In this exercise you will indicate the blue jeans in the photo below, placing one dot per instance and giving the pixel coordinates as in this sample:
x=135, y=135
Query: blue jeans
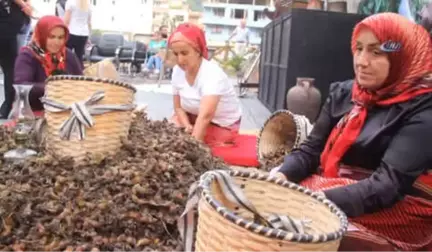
x=23, y=36
x=154, y=62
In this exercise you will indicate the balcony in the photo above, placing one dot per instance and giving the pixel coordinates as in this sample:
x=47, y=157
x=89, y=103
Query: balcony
x=231, y=16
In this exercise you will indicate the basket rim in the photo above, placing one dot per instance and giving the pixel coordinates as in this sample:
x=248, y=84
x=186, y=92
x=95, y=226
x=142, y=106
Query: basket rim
x=271, y=117
x=90, y=78
x=270, y=232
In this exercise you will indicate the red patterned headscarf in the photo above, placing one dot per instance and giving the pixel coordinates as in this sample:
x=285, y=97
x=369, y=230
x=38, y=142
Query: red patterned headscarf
x=50, y=62
x=192, y=35
x=410, y=64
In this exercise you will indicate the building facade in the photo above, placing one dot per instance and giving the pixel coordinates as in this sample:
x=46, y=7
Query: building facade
x=172, y=13
x=129, y=16
x=221, y=17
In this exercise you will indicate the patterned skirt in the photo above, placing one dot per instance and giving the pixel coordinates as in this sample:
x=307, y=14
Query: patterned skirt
x=405, y=226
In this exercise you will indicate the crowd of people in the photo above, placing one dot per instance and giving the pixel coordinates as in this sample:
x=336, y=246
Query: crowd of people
x=369, y=151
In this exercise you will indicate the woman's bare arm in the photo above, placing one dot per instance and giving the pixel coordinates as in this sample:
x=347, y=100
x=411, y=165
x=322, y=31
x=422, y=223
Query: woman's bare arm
x=181, y=114
x=90, y=22
x=67, y=17
x=206, y=113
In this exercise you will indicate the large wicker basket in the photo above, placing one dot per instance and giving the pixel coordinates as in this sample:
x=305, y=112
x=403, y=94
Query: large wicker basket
x=282, y=129
x=105, y=136
x=223, y=226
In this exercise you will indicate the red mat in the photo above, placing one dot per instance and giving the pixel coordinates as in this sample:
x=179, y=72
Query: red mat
x=243, y=153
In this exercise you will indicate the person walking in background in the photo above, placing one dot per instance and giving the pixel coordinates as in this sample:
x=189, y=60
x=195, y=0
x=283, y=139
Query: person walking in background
x=22, y=37
x=60, y=8
x=241, y=34
x=12, y=15
x=78, y=19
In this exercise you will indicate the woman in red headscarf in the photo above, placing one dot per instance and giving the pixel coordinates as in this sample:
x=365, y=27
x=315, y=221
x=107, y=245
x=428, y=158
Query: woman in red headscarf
x=46, y=55
x=205, y=101
x=373, y=141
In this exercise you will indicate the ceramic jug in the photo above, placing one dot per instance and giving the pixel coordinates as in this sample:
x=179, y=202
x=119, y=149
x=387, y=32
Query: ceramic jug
x=304, y=99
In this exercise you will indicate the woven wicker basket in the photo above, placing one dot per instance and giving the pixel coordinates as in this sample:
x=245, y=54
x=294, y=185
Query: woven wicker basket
x=223, y=226
x=282, y=128
x=105, y=136
x=102, y=69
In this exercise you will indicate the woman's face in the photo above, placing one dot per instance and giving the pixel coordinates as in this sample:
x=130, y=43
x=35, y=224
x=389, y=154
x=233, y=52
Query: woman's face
x=371, y=65
x=56, y=40
x=188, y=58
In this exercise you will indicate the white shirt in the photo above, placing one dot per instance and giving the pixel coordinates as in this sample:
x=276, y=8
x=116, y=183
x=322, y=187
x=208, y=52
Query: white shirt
x=210, y=80
x=241, y=34
x=78, y=25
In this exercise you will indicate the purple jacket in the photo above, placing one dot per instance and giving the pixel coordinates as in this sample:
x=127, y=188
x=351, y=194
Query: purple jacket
x=29, y=70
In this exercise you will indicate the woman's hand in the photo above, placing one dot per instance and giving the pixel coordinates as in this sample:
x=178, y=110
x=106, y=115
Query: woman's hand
x=280, y=175
x=188, y=128
x=28, y=10
x=207, y=110
x=274, y=170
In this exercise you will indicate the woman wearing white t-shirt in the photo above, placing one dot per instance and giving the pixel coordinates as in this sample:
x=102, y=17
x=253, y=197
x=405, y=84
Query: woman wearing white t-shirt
x=205, y=101
x=78, y=18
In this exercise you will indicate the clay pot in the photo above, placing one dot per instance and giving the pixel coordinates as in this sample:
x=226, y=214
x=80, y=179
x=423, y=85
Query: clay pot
x=304, y=99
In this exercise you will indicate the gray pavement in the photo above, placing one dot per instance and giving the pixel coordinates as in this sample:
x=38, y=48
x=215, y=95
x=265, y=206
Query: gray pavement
x=159, y=103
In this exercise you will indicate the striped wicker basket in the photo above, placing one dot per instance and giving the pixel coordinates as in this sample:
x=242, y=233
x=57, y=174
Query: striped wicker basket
x=102, y=69
x=224, y=226
x=105, y=135
x=282, y=128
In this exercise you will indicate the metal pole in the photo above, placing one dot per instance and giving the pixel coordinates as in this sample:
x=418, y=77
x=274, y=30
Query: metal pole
x=326, y=5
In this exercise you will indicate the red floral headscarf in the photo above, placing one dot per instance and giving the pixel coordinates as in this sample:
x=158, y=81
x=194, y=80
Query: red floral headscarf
x=50, y=62
x=192, y=35
x=410, y=54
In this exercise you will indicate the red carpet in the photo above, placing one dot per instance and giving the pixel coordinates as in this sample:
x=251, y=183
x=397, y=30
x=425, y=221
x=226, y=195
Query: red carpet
x=243, y=153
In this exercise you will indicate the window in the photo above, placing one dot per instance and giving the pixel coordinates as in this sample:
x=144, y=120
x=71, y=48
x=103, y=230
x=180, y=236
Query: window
x=218, y=12
x=178, y=18
x=259, y=15
x=216, y=29
x=238, y=13
x=263, y=2
x=248, y=2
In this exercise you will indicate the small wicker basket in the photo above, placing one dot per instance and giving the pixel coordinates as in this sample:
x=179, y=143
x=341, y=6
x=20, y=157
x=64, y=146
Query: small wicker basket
x=103, y=69
x=282, y=128
x=105, y=136
x=223, y=226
